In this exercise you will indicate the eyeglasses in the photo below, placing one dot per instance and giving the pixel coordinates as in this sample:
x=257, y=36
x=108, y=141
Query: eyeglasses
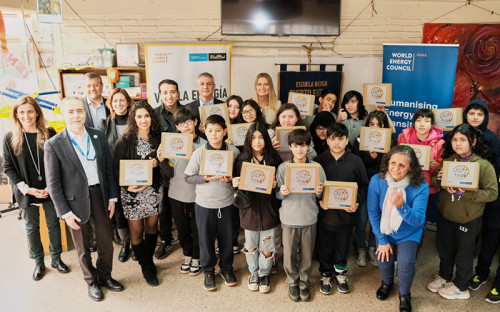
x=187, y=123
x=248, y=112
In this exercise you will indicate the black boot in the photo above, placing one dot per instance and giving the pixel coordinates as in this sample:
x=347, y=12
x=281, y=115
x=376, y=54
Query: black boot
x=147, y=265
x=124, y=251
x=405, y=303
x=151, y=240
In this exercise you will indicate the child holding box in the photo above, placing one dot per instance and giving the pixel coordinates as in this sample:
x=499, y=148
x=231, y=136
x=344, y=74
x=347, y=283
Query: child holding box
x=298, y=215
x=335, y=225
x=182, y=196
x=459, y=221
x=214, y=207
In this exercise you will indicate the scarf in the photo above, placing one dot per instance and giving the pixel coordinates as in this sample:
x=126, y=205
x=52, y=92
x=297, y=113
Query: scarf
x=391, y=219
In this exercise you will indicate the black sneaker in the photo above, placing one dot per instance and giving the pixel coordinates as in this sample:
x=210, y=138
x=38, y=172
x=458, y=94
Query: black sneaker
x=229, y=278
x=210, y=282
x=341, y=280
x=304, y=294
x=326, y=285
x=293, y=293
x=493, y=296
x=162, y=250
x=264, y=285
x=476, y=282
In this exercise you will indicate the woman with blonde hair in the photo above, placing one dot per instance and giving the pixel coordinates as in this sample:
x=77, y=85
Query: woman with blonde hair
x=265, y=95
x=23, y=163
x=119, y=104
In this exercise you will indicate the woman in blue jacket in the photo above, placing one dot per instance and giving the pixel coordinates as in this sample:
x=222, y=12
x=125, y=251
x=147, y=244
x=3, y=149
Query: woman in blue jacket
x=397, y=201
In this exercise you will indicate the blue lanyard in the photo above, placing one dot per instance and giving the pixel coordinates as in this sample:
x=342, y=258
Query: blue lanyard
x=80, y=150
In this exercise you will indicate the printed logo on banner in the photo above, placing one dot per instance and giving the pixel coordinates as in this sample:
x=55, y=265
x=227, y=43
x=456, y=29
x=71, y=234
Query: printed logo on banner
x=217, y=56
x=198, y=57
x=177, y=144
x=446, y=116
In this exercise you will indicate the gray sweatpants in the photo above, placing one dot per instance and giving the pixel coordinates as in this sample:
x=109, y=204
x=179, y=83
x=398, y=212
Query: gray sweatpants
x=301, y=240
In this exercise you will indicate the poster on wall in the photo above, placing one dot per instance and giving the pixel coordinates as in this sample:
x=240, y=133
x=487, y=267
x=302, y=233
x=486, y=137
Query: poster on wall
x=422, y=76
x=478, y=66
x=183, y=63
x=49, y=11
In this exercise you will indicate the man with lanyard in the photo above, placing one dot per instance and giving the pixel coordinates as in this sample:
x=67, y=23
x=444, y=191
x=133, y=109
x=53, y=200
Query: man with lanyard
x=96, y=110
x=81, y=183
x=205, y=85
x=169, y=95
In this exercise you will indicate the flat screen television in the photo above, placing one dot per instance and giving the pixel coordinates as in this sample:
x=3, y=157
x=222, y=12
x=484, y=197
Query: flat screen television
x=280, y=17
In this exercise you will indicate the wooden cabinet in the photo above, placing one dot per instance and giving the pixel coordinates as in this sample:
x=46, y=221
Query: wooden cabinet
x=71, y=79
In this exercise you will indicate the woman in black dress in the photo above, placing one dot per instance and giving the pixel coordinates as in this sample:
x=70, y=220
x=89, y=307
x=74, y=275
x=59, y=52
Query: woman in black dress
x=23, y=163
x=119, y=103
x=142, y=204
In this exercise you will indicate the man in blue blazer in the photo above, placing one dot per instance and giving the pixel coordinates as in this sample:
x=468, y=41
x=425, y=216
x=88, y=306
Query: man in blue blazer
x=206, y=87
x=81, y=183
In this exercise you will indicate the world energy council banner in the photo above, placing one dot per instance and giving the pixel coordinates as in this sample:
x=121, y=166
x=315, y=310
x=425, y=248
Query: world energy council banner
x=422, y=76
x=183, y=63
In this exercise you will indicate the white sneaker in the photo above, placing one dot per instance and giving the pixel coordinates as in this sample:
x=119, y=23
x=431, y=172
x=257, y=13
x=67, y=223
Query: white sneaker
x=437, y=284
x=372, y=256
x=452, y=292
x=186, y=265
x=195, y=267
x=361, y=260
x=253, y=282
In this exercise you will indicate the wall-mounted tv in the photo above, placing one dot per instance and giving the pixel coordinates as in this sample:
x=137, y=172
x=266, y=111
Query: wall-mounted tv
x=280, y=17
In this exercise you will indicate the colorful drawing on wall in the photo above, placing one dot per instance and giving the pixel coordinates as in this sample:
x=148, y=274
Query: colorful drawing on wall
x=49, y=11
x=478, y=65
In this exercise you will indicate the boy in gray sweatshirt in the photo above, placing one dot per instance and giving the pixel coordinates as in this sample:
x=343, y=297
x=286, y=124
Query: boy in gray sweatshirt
x=298, y=215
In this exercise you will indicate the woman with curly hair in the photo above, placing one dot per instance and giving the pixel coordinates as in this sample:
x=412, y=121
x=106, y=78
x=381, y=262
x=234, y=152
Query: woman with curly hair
x=397, y=200
x=141, y=204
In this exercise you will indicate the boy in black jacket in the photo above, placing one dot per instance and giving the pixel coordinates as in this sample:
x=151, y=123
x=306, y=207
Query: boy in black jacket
x=335, y=226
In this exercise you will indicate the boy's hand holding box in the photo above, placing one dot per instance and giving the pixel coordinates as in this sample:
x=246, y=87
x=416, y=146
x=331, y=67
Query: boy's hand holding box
x=340, y=195
x=302, y=177
x=217, y=162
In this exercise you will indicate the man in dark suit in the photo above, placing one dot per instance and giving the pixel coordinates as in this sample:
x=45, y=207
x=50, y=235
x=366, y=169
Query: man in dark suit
x=96, y=108
x=206, y=86
x=81, y=183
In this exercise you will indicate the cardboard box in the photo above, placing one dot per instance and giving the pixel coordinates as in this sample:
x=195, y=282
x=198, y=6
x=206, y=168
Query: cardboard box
x=238, y=132
x=136, y=172
x=423, y=153
x=216, y=109
x=461, y=174
x=257, y=178
x=217, y=162
x=282, y=135
x=340, y=195
x=378, y=94
x=303, y=177
x=375, y=139
x=177, y=145
x=304, y=102
x=448, y=118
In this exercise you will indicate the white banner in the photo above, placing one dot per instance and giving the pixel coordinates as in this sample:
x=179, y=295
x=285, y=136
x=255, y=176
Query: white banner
x=183, y=63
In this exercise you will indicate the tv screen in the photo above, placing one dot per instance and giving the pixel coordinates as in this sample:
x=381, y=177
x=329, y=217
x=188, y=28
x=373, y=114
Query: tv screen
x=280, y=17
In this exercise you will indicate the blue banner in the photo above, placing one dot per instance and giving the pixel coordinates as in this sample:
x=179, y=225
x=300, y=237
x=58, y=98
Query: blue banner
x=422, y=76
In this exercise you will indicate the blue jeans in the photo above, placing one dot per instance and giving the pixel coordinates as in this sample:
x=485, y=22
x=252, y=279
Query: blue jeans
x=360, y=230
x=261, y=241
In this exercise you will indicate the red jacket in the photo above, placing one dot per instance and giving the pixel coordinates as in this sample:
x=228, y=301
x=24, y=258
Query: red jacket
x=435, y=141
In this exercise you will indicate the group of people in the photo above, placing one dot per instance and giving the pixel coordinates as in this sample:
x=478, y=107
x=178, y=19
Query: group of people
x=74, y=174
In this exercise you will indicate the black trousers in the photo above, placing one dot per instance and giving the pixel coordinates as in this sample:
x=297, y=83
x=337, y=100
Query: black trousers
x=332, y=247
x=185, y=221
x=103, y=236
x=455, y=243
x=215, y=224
x=491, y=243
x=165, y=218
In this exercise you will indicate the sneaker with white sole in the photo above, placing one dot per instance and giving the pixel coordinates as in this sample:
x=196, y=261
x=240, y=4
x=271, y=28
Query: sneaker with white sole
x=341, y=280
x=437, y=284
x=493, y=296
x=361, y=260
x=476, y=282
x=372, y=256
x=195, y=268
x=229, y=278
x=186, y=265
x=253, y=282
x=452, y=292
x=264, y=284
x=326, y=285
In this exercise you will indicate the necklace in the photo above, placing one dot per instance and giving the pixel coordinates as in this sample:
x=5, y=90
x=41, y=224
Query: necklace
x=37, y=167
